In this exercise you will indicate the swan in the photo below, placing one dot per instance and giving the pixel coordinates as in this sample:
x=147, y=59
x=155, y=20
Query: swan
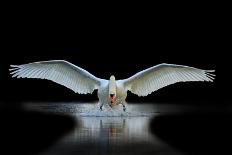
x=110, y=92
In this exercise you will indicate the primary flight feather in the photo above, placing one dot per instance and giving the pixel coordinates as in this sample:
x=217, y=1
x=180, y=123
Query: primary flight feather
x=110, y=92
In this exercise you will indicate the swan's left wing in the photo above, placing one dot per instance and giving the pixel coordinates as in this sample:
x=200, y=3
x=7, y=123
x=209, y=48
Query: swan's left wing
x=61, y=72
x=154, y=78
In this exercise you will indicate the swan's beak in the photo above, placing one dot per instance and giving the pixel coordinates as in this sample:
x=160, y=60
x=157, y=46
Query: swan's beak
x=112, y=99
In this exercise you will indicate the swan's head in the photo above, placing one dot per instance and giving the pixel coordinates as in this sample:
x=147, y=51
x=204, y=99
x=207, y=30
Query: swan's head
x=112, y=90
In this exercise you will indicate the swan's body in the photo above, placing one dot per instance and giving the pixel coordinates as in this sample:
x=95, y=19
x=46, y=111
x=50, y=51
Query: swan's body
x=110, y=92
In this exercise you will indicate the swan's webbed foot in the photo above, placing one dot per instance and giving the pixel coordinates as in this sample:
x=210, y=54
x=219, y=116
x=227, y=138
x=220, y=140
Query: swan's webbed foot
x=124, y=108
x=101, y=107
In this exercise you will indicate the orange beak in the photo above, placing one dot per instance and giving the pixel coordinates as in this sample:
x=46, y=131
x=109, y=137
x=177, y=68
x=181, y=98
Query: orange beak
x=112, y=99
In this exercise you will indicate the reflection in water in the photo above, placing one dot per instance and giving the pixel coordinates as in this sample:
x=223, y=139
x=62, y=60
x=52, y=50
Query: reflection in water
x=102, y=135
x=106, y=135
x=114, y=129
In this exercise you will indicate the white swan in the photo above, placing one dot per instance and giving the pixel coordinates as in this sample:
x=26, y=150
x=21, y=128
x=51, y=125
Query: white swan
x=110, y=92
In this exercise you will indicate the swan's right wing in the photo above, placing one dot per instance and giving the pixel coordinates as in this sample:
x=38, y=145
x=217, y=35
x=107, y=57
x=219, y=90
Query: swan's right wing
x=159, y=76
x=61, y=72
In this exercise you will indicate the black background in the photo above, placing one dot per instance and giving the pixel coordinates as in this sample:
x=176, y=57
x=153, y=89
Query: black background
x=118, y=43
x=119, y=40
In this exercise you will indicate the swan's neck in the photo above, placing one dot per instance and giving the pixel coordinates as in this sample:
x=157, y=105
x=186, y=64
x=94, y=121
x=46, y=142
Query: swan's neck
x=112, y=90
x=112, y=85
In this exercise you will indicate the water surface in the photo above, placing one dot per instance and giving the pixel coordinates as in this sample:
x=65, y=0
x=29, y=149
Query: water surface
x=107, y=131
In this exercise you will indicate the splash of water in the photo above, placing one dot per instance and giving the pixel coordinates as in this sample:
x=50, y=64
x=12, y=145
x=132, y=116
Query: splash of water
x=93, y=109
x=107, y=111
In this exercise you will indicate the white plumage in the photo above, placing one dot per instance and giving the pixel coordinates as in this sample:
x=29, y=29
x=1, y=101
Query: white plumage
x=59, y=71
x=159, y=76
x=81, y=81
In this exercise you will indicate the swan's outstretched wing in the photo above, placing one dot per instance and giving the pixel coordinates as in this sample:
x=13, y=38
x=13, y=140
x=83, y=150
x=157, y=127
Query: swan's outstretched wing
x=59, y=71
x=154, y=78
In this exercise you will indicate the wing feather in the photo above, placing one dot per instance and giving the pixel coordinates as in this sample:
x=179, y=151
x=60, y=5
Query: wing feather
x=61, y=72
x=159, y=76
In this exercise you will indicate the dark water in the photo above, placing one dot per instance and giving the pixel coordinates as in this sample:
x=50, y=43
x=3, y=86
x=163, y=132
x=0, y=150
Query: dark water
x=80, y=128
x=104, y=132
